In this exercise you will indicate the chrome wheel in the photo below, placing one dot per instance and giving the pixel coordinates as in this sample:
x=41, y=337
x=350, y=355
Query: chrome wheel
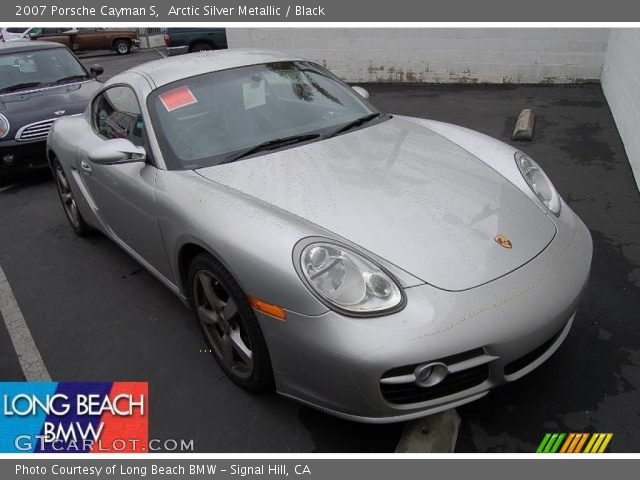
x=67, y=198
x=223, y=326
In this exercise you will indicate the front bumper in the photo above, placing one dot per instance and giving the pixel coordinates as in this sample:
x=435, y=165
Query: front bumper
x=487, y=336
x=21, y=157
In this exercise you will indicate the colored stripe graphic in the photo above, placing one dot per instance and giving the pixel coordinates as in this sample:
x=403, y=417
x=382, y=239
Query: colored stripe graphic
x=581, y=442
x=574, y=443
x=551, y=442
x=543, y=443
x=568, y=442
x=606, y=441
x=556, y=445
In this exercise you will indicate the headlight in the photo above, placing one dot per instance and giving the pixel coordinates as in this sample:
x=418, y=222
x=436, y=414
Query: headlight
x=4, y=126
x=538, y=182
x=349, y=281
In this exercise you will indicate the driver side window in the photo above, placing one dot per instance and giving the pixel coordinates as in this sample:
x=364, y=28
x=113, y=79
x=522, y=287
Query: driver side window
x=116, y=114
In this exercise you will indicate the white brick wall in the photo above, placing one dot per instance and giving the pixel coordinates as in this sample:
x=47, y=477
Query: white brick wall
x=442, y=55
x=621, y=86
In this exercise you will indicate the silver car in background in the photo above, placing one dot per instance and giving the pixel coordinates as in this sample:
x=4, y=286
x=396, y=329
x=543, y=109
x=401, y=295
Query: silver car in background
x=374, y=266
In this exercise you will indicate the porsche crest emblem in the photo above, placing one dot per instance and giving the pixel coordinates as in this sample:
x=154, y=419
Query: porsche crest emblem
x=503, y=241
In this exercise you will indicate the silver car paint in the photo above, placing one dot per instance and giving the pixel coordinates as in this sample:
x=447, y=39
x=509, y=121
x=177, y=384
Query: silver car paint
x=336, y=363
x=320, y=357
x=398, y=176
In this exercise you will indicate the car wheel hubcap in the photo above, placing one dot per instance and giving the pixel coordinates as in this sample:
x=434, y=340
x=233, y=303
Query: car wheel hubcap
x=122, y=48
x=218, y=313
x=66, y=195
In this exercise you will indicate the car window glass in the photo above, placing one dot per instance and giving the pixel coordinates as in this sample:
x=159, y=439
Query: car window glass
x=40, y=66
x=202, y=120
x=116, y=114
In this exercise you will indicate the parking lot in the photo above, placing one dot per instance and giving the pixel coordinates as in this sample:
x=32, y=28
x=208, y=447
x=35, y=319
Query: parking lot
x=96, y=315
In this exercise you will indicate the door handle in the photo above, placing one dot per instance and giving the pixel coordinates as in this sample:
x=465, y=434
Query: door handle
x=85, y=167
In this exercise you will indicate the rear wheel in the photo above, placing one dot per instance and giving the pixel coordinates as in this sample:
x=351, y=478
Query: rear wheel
x=80, y=227
x=122, y=47
x=229, y=324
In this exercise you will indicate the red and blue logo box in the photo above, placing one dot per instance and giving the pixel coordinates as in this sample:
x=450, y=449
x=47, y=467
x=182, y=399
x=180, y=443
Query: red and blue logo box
x=74, y=417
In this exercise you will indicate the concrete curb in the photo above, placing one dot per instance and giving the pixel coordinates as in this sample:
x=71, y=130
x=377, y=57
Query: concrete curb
x=524, y=125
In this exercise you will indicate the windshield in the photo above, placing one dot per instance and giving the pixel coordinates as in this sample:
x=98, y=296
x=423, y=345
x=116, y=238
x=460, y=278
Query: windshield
x=205, y=120
x=38, y=68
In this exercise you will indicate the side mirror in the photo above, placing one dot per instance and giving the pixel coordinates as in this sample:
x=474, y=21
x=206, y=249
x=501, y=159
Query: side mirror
x=361, y=91
x=96, y=70
x=117, y=150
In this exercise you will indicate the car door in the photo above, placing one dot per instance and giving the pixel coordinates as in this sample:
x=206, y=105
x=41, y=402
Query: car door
x=123, y=193
x=91, y=39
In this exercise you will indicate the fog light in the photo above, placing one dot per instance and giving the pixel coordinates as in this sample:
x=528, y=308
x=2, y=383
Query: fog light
x=430, y=374
x=8, y=159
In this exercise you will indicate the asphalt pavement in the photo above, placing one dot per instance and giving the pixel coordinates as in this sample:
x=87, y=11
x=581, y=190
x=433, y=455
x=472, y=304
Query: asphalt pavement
x=94, y=314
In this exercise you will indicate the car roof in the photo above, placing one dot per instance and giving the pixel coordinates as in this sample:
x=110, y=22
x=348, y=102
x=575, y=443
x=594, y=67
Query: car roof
x=27, y=46
x=168, y=70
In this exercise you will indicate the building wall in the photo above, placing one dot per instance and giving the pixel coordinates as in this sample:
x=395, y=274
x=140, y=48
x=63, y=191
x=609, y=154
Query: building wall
x=442, y=55
x=151, y=37
x=621, y=86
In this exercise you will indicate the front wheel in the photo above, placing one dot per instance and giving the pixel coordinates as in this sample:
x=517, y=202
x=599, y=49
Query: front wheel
x=122, y=47
x=229, y=324
x=77, y=222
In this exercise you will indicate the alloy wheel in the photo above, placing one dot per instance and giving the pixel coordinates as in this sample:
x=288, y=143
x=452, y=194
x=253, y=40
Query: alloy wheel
x=67, y=198
x=222, y=323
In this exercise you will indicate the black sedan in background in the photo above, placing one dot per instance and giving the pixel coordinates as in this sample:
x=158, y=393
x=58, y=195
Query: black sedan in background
x=39, y=82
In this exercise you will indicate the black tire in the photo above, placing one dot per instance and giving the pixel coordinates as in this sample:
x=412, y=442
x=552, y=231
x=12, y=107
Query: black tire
x=201, y=47
x=244, y=322
x=122, y=46
x=74, y=217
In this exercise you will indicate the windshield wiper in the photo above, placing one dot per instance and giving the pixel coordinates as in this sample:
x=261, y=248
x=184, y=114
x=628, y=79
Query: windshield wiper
x=269, y=145
x=71, y=78
x=19, y=86
x=356, y=123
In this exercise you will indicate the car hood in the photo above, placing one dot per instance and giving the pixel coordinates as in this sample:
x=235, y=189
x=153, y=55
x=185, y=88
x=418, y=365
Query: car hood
x=406, y=194
x=34, y=106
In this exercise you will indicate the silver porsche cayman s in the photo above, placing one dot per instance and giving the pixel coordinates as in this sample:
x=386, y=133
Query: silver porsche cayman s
x=375, y=266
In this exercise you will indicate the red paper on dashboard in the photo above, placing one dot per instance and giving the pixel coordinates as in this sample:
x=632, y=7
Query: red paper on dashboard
x=177, y=98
